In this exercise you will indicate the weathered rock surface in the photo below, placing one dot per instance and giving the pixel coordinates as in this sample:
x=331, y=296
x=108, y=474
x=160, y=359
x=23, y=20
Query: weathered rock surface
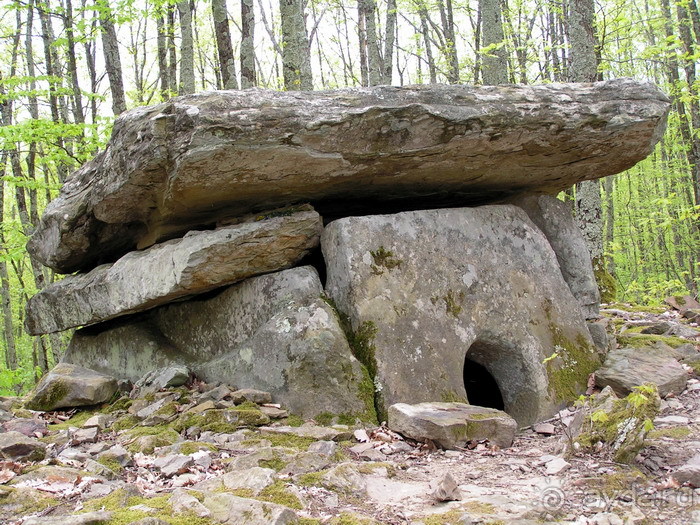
x=272, y=333
x=625, y=368
x=555, y=220
x=70, y=385
x=232, y=510
x=689, y=472
x=427, y=290
x=197, y=263
x=452, y=425
x=176, y=166
x=17, y=446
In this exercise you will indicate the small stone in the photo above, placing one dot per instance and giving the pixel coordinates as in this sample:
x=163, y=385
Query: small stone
x=72, y=456
x=85, y=435
x=255, y=479
x=202, y=407
x=217, y=393
x=232, y=510
x=451, y=425
x=323, y=448
x=119, y=454
x=447, y=489
x=92, y=466
x=15, y=445
x=183, y=501
x=172, y=465
x=556, y=466
x=100, y=421
x=689, y=473
x=362, y=447
x=274, y=412
x=372, y=454
x=657, y=328
x=305, y=462
x=544, y=428
x=312, y=431
x=171, y=376
x=254, y=396
x=672, y=420
x=26, y=426
x=361, y=435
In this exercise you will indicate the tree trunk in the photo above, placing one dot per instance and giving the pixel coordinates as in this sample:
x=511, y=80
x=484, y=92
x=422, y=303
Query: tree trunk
x=248, y=76
x=162, y=58
x=367, y=11
x=296, y=66
x=450, y=48
x=223, y=44
x=389, y=39
x=78, y=115
x=186, y=86
x=113, y=63
x=493, y=52
x=425, y=32
x=5, y=293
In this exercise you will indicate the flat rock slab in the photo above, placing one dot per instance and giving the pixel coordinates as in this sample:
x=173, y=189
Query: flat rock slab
x=625, y=368
x=232, y=510
x=197, y=263
x=272, y=332
x=452, y=425
x=429, y=292
x=16, y=446
x=173, y=167
x=689, y=472
x=67, y=386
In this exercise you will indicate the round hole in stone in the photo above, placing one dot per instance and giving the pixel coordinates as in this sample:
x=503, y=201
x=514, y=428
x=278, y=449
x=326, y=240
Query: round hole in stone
x=482, y=389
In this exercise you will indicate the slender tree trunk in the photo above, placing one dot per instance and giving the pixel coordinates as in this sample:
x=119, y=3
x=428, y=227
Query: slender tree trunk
x=493, y=51
x=389, y=40
x=163, y=75
x=5, y=292
x=248, y=75
x=450, y=47
x=172, y=49
x=186, y=86
x=113, y=63
x=223, y=44
x=367, y=12
x=425, y=32
x=296, y=66
x=78, y=115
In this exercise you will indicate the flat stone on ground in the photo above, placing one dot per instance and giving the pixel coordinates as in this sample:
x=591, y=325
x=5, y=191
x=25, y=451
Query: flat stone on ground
x=67, y=386
x=16, y=446
x=452, y=425
x=625, y=368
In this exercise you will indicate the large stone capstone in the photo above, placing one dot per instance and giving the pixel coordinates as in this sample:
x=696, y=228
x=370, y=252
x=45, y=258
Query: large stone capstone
x=273, y=332
x=190, y=161
x=429, y=293
x=197, y=263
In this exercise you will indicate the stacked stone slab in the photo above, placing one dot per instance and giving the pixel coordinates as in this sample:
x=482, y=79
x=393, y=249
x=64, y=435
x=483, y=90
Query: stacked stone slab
x=184, y=227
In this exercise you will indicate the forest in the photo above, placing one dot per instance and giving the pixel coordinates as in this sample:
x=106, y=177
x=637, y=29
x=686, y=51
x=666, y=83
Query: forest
x=69, y=67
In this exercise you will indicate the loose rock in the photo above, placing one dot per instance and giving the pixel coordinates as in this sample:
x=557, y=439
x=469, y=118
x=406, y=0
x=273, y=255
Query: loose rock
x=67, y=386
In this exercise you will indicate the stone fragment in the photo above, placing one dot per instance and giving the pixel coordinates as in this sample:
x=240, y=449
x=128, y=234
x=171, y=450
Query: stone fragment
x=556, y=466
x=304, y=462
x=689, y=472
x=682, y=303
x=625, y=368
x=452, y=425
x=671, y=420
x=84, y=435
x=323, y=448
x=187, y=162
x=197, y=263
x=18, y=447
x=255, y=479
x=174, y=464
x=556, y=221
x=309, y=430
x=544, y=428
x=232, y=510
x=659, y=328
x=183, y=501
x=159, y=378
x=692, y=315
x=202, y=407
x=28, y=427
x=250, y=394
x=274, y=412
x=67, y=386
x=118, y=454
x=100, y=421
x=252, y=334
x=345, y=479
x=425, y=300
x=88, y=518
x=218, y=393
x=447, y=489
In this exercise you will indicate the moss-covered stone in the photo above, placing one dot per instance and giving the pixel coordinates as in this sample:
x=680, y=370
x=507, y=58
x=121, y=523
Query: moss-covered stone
x=147, y=439
x=49, y=397
x=384, y=260
x=623, y=427
x=606, y=282
x=224, y=421
x=646, y=340
x=192, y=447
x=569, y=366
x=350, y=518
x=279, y=493
x=670, y=432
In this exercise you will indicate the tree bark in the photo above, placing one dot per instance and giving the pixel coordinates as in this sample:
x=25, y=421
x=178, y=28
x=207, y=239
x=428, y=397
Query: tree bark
x=296, y=64
x=78, y=115
x=450, y=47
x=162, y=58
x=494, y=68
x=113, y=63
x=367, y=11
x=186, y=86
x=248, y=74
x=5, y=292
x=223, y=44
x=389, y=40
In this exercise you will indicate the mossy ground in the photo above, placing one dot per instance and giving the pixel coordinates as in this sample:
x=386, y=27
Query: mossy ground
x=645, y=340
x=670, y=432
x=280, y=494
x=77, y=420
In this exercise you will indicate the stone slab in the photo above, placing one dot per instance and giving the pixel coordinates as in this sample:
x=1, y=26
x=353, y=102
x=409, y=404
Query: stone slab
x=187, y=162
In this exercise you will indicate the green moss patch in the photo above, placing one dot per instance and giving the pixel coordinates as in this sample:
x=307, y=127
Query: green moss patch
x=384, y=260
x=570, y=364
x=670, y=432
x=349, y=518
x=646, y=340
x=280, y=494
x=225, y=421
x=77, y=420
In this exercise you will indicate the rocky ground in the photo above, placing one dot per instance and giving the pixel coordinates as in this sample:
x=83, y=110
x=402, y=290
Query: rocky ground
x=202, y=454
